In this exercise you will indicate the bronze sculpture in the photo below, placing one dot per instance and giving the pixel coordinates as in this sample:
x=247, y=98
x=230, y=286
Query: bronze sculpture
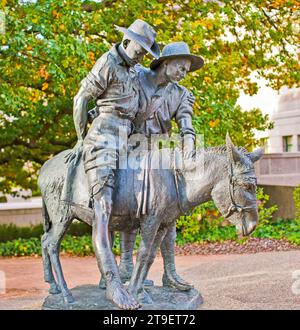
x=96, y=183
x=228, y=178
x=112, y=83
x=162, y=99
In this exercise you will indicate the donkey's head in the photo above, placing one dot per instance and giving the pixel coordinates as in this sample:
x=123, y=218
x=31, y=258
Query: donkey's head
x=235, y=193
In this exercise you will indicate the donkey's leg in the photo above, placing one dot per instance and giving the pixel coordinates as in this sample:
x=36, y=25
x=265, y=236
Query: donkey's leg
x=149, y=227
x=48, y=274
x=127, y=240
x=57, y=233
x=170, y=276
x=102, y=283
x=143, y=296
x=160, y=236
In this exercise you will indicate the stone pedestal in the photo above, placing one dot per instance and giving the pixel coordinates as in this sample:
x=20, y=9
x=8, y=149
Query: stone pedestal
x=90, y=297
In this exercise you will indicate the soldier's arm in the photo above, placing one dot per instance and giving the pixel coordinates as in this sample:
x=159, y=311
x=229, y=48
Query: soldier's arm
x=184, y=114
x=91, y=88
x=80, y=118
x=80, y=103
x=183, y=119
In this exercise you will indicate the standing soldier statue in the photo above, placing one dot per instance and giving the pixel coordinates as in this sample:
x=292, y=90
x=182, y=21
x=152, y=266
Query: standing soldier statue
x=113, y=84
x=162, y=99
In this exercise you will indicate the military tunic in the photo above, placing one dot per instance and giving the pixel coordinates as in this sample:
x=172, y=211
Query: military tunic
x=112, y=82
x=156, y=110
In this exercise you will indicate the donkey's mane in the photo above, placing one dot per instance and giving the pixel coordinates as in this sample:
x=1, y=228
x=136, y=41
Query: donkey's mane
x=219, y=150
x=222, y=149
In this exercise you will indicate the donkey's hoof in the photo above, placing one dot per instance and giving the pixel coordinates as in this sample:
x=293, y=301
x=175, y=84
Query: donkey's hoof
x=144, y=297
x=69, y=299
x=102, y=284
x=54, y=289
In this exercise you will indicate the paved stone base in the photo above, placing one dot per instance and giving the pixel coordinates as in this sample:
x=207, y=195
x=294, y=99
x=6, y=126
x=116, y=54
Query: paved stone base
x=90, y=297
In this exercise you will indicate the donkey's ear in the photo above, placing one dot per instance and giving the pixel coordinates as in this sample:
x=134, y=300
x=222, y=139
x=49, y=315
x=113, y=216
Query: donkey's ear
x=256, y=154
x=233, y=155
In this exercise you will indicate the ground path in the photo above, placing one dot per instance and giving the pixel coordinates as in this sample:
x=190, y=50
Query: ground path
x=246, y=281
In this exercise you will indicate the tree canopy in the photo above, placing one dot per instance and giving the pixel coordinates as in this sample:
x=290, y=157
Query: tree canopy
x=48, y=46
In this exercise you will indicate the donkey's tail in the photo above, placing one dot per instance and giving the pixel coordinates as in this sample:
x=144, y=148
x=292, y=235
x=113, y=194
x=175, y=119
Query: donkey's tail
x=46, y=218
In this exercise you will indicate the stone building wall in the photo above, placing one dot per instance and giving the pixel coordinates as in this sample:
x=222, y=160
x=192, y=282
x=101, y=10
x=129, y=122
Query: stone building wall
x=22, y=214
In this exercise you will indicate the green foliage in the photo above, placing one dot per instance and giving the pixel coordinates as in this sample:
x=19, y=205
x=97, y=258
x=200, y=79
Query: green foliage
x=50, y=45
x=265, y=213
x=82, y=245
x=25, y=241
x=116, y=246
x=296, y=197
x=79, y=229
x=74, y=245
x=210, y=230
x=21, y=247
x=280, y=229
x=77, y=245
x=205, y=224
x=11, y=232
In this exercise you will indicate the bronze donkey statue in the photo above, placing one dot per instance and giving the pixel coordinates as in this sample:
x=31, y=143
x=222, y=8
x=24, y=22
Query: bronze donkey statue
x=224, y=174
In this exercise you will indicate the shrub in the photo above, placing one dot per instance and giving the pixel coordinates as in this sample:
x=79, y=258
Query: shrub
x=79, y=228
x=9, y=232
x=21, y=247
x=82, y=245
x=279, y=228
x=205, y=223
x=296, y=196
x=265, y=213
x=76, y=245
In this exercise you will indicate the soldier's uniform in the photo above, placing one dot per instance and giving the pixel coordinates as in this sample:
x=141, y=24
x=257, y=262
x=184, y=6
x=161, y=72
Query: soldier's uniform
x=157, y=110
x=113, y=83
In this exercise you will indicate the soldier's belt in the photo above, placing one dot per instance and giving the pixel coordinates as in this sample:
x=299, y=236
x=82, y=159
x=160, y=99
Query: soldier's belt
x=116, y=113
